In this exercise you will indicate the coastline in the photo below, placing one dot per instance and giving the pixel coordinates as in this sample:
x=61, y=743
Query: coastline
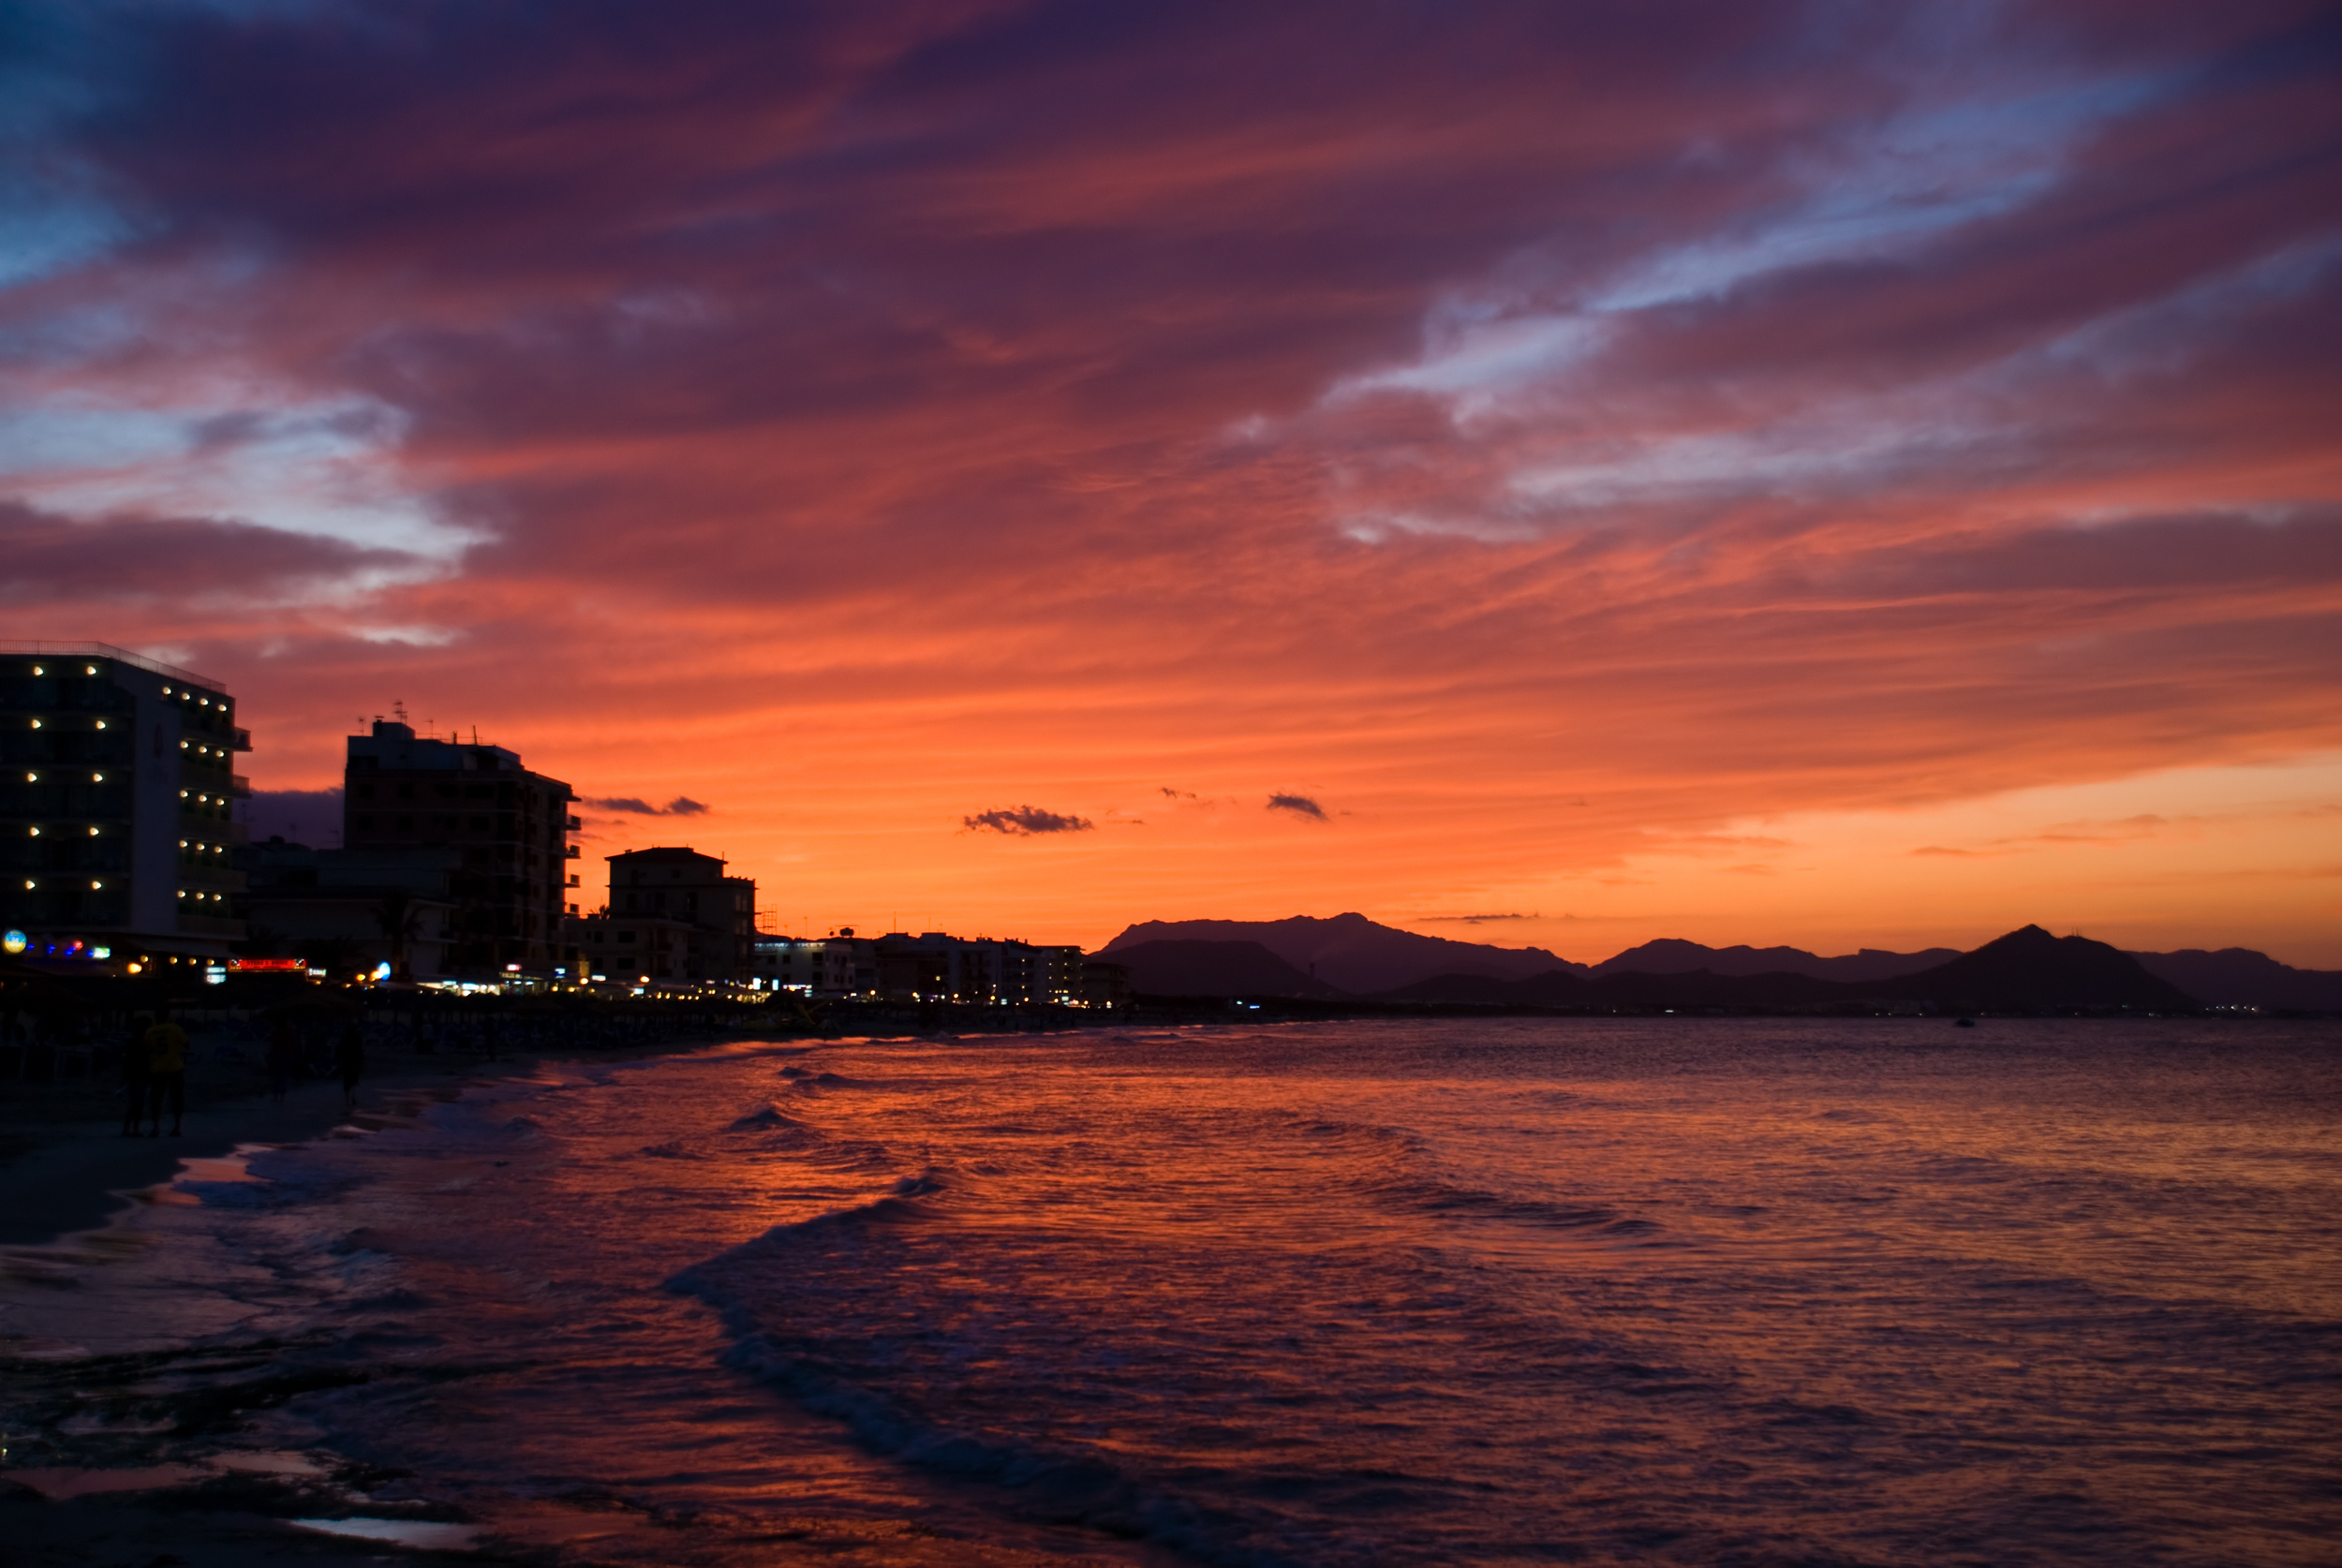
x=66, y=1167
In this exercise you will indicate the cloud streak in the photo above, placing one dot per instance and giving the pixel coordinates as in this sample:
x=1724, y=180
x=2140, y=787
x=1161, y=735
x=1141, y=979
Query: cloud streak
x=1560, y=435
x=1025, y=821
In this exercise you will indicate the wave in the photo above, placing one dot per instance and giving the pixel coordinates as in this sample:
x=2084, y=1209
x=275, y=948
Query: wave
x=768, y=1277
x=772, y=1118
x=1400, y=1185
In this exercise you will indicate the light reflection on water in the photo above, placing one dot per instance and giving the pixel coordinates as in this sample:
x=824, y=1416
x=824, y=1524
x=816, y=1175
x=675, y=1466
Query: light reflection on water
x=1652, y=1291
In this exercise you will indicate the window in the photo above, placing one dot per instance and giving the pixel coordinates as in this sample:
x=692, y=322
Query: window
x=366, y=792
x=364, y=823
x=626, y=936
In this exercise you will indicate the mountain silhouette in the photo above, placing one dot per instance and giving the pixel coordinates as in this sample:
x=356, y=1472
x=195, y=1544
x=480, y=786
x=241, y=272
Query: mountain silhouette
x=1673, y=955
x=2030, y=969
x=1204, y=968
x=2239, y=977
x=1350, y=951
x=2027, y=970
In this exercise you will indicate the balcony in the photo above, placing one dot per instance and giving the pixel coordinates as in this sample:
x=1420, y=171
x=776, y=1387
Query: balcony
x=239, y=786
x=571, y=853
x=243, y=738
x=572, y=824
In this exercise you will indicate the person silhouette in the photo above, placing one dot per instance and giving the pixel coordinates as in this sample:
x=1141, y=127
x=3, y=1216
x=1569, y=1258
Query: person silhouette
x=349, y=1060
x=167, y=1074
x=137, y=1074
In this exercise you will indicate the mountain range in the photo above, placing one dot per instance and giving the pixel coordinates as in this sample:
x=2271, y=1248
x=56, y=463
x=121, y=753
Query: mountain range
x=1351, y=956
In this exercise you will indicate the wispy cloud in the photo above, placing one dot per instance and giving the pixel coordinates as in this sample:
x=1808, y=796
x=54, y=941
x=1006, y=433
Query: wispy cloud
x=630, y=805
x=1300, y=806
x=1024, y=822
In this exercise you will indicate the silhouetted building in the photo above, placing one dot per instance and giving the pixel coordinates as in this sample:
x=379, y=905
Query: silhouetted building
x=509, y=825
x=1106, y=985
x=935, y=966
x=646, y=950
x=350, y=910
x=842, y=965
x=117, y=806
x=682, y=884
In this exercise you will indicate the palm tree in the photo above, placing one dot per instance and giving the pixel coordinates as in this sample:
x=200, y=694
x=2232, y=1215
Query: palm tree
x=400, y=920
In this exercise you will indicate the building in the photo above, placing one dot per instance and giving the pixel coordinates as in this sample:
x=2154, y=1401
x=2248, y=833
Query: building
x=679, y=884
x=508, y=827
x=637, y=950
x=840, y=965
x=935, y=966
x=1106, y=985
x=118, y=796
x=350, y=910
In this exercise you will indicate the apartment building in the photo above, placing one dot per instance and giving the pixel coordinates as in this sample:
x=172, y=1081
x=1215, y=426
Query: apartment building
x=510, y=826
x=118, y=797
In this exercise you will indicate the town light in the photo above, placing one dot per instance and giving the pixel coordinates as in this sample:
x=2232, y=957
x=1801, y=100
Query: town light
x=14, y=941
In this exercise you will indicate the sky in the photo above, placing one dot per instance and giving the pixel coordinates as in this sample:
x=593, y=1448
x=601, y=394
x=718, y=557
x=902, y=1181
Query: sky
x=1550, y=473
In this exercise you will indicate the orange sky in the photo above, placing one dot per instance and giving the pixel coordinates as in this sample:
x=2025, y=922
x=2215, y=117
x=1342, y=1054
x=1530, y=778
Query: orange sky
x=1763, y=476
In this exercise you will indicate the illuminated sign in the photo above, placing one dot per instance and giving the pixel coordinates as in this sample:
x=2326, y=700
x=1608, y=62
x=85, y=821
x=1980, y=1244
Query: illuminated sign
x=273, y=966
x=14, y=941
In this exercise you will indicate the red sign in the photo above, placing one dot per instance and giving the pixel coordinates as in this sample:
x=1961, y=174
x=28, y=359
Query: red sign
x=271, y=966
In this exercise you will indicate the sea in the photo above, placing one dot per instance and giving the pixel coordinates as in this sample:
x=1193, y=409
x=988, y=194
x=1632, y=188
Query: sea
x=1650, y=1291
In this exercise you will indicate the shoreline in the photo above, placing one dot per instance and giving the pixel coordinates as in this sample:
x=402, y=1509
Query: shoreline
x=63, y=1173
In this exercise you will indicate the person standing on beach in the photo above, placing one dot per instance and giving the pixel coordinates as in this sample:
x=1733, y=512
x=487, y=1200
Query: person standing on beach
x=350, y=1060
x=284, y=1050
x=136, y=1065
x=167, y=1074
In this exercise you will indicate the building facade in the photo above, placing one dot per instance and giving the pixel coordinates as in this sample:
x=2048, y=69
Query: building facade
x=509, y=828
x=675, y=883
x=835, y=965
x=118, y=820
x=351, y=911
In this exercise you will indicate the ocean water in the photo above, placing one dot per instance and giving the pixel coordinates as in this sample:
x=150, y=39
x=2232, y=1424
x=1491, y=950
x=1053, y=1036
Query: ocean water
x=1664, y=1291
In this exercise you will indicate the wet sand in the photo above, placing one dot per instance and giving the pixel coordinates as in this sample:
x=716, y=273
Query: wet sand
x=71, y=1495
x=65, y=1165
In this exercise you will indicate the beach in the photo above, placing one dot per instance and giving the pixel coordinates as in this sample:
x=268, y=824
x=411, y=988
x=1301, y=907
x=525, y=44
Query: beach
x=1629, y=1291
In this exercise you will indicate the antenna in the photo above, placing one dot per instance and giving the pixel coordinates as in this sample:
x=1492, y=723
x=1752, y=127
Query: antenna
x=398, y=708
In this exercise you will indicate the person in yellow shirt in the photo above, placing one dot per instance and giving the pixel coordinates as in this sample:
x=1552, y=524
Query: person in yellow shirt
x=167, y=1074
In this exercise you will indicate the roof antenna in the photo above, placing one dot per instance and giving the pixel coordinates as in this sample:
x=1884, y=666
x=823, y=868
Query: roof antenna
x=398, y=707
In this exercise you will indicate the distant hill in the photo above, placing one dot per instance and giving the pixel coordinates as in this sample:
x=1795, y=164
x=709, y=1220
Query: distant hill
x=1673, y=955
x=1350, y=951
x=2029, y=968
x=2239, y=977
x=2025, y=970
x=1199, y=968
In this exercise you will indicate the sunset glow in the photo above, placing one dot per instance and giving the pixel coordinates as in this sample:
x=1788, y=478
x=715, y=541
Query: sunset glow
x=1538, y=475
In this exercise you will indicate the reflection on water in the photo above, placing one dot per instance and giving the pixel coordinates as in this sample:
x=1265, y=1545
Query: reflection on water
x=1666, y=1290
